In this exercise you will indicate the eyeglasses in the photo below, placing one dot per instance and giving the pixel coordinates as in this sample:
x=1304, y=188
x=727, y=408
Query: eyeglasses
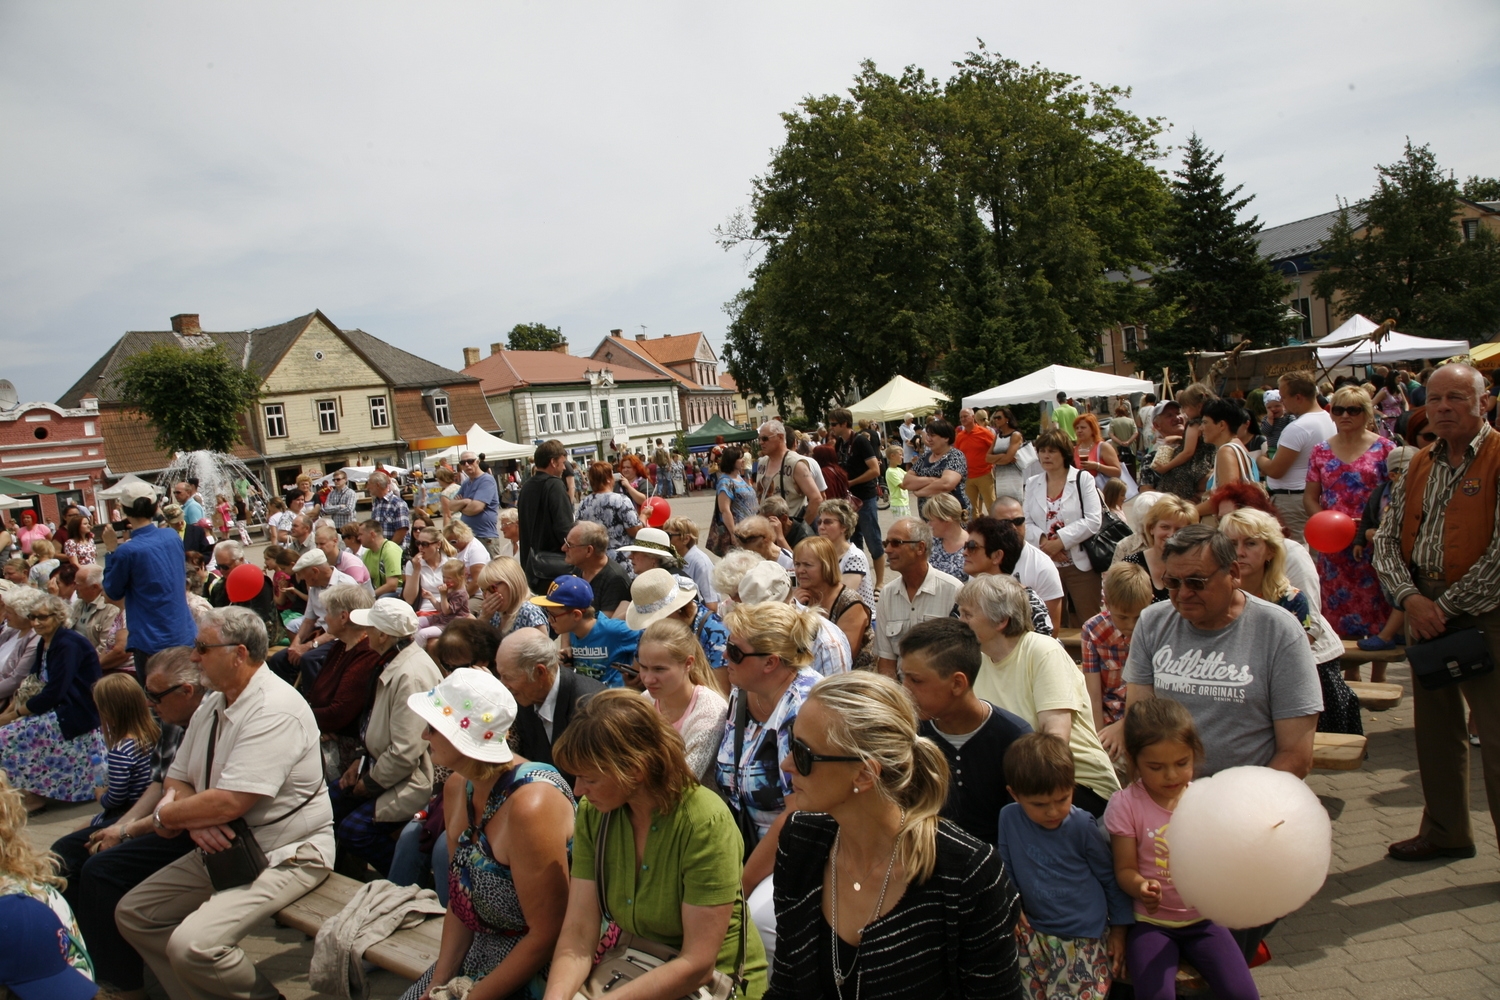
x=896, y=543
x=766, y=438
x=156, y=697
x=1347, y=411
x=469, y=461
x=803, y=758
x=425, y=545
x=1193, y=583
x=973, y=546
x=1018, y=522
x=735, y=654
x=201, y=648
x=41, y=616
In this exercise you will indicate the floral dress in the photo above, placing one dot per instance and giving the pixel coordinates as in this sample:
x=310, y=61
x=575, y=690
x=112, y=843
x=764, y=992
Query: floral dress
x=952, y=460
x=1353, y=602
x=617, y=514
x=743, y=501
x=481, y=892
x=952, y=563
x=38, y=759
x=81, y=550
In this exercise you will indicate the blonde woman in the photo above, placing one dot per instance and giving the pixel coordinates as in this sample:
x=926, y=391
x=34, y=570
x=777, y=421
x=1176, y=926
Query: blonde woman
x=674, y=671
x=914, y=905
x=1162, y=521
x=470, y=550
x=946, y=518
x=1261, y=563
x=507, y=600
x=819, y=585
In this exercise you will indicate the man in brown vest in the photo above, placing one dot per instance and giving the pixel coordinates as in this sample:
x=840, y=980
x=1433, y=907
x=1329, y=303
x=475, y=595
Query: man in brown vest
x=1438, y=556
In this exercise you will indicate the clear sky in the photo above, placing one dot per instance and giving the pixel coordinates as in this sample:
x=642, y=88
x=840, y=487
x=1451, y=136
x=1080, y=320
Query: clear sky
x=435, y=173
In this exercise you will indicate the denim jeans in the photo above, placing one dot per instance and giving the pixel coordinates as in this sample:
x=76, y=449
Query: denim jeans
x=409, y=866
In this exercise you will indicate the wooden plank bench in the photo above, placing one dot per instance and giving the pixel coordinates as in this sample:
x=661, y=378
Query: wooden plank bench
x=1072, y=640
x=1353, y=656
x=1376, y=697
x=407, y=953
x=1338, y=752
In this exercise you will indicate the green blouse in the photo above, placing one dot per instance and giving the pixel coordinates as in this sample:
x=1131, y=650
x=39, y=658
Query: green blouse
x=692, y=856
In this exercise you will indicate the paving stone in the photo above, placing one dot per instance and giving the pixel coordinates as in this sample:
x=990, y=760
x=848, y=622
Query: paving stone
x=1391, y=968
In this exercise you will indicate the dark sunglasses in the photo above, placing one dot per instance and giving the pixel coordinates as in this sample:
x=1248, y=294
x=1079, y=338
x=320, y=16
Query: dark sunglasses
x=735, y=654
x=1190, y=582
x=1019, y=522
x=896, y=543
x=766, y=439
x=156, y=697
x=803, y=758
x=201, y=648
x=973, y=546
x=1428, y=437
x=1347, y=411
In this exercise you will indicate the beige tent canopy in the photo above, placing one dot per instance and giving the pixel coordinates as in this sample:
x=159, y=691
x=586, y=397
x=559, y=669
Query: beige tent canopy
x=896, y=399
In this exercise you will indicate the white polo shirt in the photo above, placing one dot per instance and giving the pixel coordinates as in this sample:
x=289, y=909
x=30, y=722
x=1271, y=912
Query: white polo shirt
x=1038, y=572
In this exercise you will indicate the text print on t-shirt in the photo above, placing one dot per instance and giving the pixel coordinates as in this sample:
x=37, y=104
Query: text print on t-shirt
x=1198, y=673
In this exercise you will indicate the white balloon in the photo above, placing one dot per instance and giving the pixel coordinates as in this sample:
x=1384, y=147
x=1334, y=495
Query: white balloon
x=1249, y=845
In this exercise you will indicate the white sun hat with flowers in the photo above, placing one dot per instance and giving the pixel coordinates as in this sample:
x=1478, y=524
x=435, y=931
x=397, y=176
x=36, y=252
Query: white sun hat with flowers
x=473, y=710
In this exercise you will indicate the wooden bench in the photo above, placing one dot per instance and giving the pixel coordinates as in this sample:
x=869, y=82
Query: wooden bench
x=1376, y=697
x=1072, y=640
x=1353, y=656
x=407, y=953
x=1338, y=752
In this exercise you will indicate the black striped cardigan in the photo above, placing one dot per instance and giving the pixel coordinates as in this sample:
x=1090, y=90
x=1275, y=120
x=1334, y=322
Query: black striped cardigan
x=951, y=938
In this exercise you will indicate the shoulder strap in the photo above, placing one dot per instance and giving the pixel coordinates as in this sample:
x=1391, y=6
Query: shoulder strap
x=208, y=764
x=599, y=867
x=741, y=720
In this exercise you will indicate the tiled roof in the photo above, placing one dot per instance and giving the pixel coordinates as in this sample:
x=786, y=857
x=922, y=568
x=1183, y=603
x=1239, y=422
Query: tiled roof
x=466, y=407
x=505, y=370
x=649, y=359
x=674, y=349
x=130, y=443
x=728, y=382
x=1294, y=239
x=401, y=368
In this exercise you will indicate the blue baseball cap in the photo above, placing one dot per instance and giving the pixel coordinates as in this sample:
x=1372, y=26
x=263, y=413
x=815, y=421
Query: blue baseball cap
x=567, y=592
x=34, y=963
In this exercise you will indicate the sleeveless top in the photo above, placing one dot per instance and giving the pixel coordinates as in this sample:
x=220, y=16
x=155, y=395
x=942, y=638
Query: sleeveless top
x=481, y=893
x=1249, y=471
x=847, y=599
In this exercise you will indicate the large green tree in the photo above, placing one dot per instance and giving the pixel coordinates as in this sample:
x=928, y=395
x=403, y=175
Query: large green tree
x=534, y=337
x=194, y=396
x=962, y=229
x=1482, y=188
x=1215, y=287
x=1409, y=261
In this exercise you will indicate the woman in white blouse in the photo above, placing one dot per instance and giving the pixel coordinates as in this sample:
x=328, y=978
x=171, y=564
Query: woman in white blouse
x=470, y=549
x=675, y=673
x=1063, y=510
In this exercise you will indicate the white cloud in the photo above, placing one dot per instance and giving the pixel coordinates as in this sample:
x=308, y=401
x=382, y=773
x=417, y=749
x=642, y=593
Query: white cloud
x=436, y=173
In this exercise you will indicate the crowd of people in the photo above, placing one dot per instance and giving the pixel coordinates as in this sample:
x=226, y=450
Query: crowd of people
x=817, y=759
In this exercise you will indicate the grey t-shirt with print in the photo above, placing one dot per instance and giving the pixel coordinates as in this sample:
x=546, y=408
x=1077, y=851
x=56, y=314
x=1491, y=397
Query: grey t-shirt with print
x=1236, y=681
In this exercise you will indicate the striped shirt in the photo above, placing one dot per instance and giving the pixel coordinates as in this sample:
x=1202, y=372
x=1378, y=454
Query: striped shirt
x=1479, y=589
x=950, y=937
x=129, y=774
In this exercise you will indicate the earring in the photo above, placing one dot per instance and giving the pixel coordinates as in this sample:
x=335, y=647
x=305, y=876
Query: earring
x=856, y=789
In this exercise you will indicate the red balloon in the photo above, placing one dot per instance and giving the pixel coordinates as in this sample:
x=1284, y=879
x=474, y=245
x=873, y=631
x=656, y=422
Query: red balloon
x=1329, y=531
x=244, y=582
x=656, y=511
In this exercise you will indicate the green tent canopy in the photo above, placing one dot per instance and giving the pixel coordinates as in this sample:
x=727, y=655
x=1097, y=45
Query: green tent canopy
x=11, y=487
x=715, y=427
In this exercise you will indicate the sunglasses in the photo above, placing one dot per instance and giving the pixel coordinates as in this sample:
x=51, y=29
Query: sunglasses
x=1194, y=583
x=973, y=546
x=40, y=617
x=1347, y=411
x=1019, y=522
x=896, y=543
x=766, y=439
x=735, y=654
x=469, y=461
x=201, y=648
x=803, y=758
x=156, y=697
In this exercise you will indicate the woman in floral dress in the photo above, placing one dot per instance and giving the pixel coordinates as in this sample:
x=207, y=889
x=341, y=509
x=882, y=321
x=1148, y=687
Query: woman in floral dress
x=611, y=509
x=1341, y=474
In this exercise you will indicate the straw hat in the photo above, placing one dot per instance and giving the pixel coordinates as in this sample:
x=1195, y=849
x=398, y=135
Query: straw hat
x=654, y=595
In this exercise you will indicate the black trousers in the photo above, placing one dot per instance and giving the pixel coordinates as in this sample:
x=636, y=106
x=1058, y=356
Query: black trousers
x=97, y=882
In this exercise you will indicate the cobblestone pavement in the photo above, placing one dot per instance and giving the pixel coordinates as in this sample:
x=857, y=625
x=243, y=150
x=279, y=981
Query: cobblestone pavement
x=1378, y=928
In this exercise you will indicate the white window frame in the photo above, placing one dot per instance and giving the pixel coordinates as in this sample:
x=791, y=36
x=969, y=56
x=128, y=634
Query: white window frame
x=441, y=414
x=380, y=414
x=583, y=415
x=275, y=418
x=328, y=415
x=540, y=410
x=571, y=409
x=620, y=403
x=635, y=411
x=656, y=409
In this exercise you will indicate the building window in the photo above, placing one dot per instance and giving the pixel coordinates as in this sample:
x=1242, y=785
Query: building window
x=583, y=415
x=604, y=414
x=328, y=416
x=379, y=417
x=656, y=409
x=440, y=409
x=1304, y=306
x=557, y=424
x=572, y=410
x=541, y=418
x=621, y=404
x=1471, y=229
x=635, y=414
x=1130, y=341
x=275, y=421
x=1101, y=348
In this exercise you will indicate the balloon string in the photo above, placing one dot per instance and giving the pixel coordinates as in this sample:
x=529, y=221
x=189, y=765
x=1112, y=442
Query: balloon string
x=1277, y=823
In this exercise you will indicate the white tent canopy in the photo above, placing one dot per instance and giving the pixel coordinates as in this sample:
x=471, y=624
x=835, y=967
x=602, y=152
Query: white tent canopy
x=117, y=490
x=1043, y=387
x=13, y=503
x=482, y=442
x=1342, y=347
x=896, y=399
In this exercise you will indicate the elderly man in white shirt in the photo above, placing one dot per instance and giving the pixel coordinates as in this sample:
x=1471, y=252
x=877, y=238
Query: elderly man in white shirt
x=309, y=646
x=918, y=593
x=251, y=752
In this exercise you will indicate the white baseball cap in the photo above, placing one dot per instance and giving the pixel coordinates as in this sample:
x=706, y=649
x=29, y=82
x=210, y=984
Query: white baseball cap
x=765, y=581
x=473, y=711
x=389, y=615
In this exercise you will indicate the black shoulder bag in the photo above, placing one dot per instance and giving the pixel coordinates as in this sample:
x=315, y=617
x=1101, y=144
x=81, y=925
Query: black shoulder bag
x=748, y=830
x=1456, y=655
x=242, y=861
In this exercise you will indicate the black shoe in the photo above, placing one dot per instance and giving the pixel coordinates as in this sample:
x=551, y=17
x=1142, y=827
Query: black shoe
x=1419, y=848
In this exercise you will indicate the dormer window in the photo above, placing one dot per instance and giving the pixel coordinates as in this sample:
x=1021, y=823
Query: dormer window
x=437, y=405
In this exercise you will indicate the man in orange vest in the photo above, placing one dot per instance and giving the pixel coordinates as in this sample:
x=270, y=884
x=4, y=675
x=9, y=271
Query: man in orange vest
x=1438, y=556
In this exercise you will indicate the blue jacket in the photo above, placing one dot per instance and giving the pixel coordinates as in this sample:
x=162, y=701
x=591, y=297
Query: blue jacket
x=1066, y=876
x=72, y=669
x=148, y=572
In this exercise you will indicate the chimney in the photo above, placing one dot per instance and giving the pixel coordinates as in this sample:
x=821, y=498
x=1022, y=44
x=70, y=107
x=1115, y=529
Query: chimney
x=615, y=333
x=186, y=324
x=471, y=356
x=640, y=336
x=495, y=349
x=561, y=347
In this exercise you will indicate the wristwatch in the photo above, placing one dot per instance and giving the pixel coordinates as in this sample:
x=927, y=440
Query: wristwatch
x=156, y=819
x=125, y=833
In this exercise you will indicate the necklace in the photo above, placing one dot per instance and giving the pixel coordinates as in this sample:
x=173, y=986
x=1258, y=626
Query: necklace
x=840, y=976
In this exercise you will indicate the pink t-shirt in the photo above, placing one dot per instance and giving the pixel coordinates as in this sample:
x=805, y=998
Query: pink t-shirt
x=1133, y=813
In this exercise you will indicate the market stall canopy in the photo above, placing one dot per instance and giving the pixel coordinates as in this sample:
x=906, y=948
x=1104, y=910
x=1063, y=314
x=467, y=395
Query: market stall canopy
x=13, y=503
x=1043, y=387
x=13, y=486
x=896, y=399
x=1393, y=347
x=1485, y=355
x=360, y=473
x=715, y=427
x=118, y=489
x=1351, y=329
x=482, y=442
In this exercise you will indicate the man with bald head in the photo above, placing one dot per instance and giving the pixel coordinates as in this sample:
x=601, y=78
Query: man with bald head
x=1438, y=556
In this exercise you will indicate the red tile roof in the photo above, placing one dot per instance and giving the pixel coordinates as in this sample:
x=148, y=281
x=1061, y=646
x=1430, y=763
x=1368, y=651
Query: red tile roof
x=506, y=370
x=661, y=357
x=672, y=350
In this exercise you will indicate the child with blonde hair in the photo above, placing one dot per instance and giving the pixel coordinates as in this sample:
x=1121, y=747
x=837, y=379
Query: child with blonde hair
x=894, y=476
x=1106, y=645
x=130, y=733
x=451, y=600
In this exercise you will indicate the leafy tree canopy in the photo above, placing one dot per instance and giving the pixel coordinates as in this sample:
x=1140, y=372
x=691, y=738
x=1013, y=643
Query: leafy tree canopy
x=1216, y=285
x=965, y=226
x=195, y=397
x=1411, y=263
x=534, y=337
x=1482, y=189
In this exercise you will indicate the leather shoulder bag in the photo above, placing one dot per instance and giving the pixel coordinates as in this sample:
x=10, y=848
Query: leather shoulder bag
x=1454, y=656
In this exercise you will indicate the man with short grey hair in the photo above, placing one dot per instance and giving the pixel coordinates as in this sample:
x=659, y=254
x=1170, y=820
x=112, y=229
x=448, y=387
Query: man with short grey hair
x=308, y=651
x=919, y=593
x=100, y=620
x=301, y=534
x=251, y=752
x=227, y=555
x=547, y=692
x=387, y=507
x=478, y=502
x=784, y=473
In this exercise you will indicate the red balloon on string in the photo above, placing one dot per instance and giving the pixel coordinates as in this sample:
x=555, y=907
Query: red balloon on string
x=244, y=582
x=656, y=511
x=1329, y=531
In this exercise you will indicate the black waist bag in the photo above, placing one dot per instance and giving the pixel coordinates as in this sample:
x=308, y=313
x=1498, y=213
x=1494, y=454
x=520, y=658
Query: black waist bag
x=1452, y=657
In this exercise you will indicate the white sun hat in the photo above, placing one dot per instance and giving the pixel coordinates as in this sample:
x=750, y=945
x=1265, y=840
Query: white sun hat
x=654, y=595
x=473, y=710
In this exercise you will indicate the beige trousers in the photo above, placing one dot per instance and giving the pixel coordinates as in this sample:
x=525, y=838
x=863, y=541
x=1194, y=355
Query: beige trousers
x=1292, y=512
x=981, y=492
x=190, y=935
